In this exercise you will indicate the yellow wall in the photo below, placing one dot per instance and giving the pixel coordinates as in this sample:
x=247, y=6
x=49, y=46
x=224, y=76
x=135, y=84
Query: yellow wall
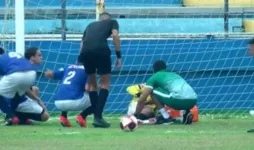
x=219, y=3
x=248, y=25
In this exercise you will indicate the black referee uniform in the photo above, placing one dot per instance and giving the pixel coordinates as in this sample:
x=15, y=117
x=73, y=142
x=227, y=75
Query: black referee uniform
x=95, y=54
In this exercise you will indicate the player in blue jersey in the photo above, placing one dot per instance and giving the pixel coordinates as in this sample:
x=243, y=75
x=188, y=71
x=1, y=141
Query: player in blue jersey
x=18, y=75
x=71, y=95
x=27, y=108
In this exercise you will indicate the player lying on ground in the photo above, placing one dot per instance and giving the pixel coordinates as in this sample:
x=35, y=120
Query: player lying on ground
x=71, y=95
x=18, y=76
x=170, y=89
x=27, y=108
x=251, y=52
x=95, y=56
x=149, y=110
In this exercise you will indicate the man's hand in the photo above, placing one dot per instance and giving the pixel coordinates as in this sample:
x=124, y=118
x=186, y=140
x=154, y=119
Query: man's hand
x=119, y=63
x=49, y=74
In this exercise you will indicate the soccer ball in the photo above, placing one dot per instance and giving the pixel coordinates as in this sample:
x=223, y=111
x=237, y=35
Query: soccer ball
x=128, y=123
x=252, y=113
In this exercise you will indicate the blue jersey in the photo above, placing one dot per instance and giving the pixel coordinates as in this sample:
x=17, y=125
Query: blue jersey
x=73, y=80
x=13, y=62
x=15, y=103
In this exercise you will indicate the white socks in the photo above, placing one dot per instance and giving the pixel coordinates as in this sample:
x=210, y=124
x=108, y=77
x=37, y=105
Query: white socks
x=164, y=113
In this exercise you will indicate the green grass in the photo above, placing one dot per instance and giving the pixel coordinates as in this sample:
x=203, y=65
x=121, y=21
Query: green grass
x=208, y=134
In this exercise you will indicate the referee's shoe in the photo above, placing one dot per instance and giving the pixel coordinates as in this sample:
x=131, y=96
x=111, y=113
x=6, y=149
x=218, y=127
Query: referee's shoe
x=100, y=123
x=250, y=131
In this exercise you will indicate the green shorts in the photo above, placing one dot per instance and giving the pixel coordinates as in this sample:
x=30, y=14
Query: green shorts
x=179, y=104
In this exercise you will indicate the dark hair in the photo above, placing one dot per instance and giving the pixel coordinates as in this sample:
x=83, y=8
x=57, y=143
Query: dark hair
x=159, y=65
x=2, y=51
x=251, y=42
x=31, y=51
x=105, y=15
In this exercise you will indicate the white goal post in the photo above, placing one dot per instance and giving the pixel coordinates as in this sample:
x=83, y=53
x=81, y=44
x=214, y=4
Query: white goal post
x=20, y=26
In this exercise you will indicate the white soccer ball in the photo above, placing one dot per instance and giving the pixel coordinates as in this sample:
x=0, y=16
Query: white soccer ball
x=252, y=113
x=128, y=123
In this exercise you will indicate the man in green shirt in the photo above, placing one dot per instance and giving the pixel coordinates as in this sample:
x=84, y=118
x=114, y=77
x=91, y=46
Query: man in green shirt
x=168, y=88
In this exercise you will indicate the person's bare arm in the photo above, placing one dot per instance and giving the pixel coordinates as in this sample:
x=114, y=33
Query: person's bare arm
x=87, y=87
x=34, y=97
x=142, y=100
x=116, y=39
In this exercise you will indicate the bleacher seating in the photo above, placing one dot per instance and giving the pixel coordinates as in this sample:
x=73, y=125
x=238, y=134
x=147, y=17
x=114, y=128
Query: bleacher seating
x=248, y=25
x=218, y=3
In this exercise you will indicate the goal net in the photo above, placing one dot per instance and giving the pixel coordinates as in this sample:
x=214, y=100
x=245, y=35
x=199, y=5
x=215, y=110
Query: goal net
x=190, y=39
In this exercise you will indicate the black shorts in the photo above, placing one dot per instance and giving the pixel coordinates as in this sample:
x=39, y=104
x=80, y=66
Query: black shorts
x=95, y=62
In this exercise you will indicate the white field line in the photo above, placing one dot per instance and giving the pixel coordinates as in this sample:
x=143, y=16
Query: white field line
x=64, y=133
x=56, y=118
x=203, y=132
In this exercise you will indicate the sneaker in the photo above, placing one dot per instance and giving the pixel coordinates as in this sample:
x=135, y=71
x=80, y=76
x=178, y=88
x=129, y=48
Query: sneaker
x=161, y=120
x=81, y=121
x=100, y=123
x=11, y=121
x=250, y=131
x=26, y=122
x=64, y=122
x=187, y=117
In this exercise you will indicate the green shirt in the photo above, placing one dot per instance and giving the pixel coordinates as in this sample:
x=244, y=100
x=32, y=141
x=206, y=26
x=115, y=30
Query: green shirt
x=172, y=84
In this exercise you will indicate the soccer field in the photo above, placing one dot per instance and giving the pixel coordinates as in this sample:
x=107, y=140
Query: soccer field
x=208, y=134
x=207, y=42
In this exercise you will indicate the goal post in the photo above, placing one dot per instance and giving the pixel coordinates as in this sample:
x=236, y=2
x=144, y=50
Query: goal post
x=20, y=26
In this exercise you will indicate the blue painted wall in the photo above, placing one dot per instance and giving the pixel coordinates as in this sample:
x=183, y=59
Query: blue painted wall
x=180, y=25
x=91, y=3
x=220, y=70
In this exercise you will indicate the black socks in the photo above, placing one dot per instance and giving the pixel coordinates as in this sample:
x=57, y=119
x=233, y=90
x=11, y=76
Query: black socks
x=93, y=99
x=97, y=103
x=103, y=95
x=64, y=114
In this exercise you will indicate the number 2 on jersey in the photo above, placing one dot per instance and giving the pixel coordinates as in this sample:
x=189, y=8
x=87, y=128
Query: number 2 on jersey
x=71, y=74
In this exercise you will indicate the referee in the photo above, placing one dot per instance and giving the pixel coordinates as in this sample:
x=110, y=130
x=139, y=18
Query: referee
x=95, y=56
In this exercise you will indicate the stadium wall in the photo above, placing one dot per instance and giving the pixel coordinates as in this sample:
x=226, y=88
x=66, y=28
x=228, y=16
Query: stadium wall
x=167, y=25
x=91, y=3
x=220, y=70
